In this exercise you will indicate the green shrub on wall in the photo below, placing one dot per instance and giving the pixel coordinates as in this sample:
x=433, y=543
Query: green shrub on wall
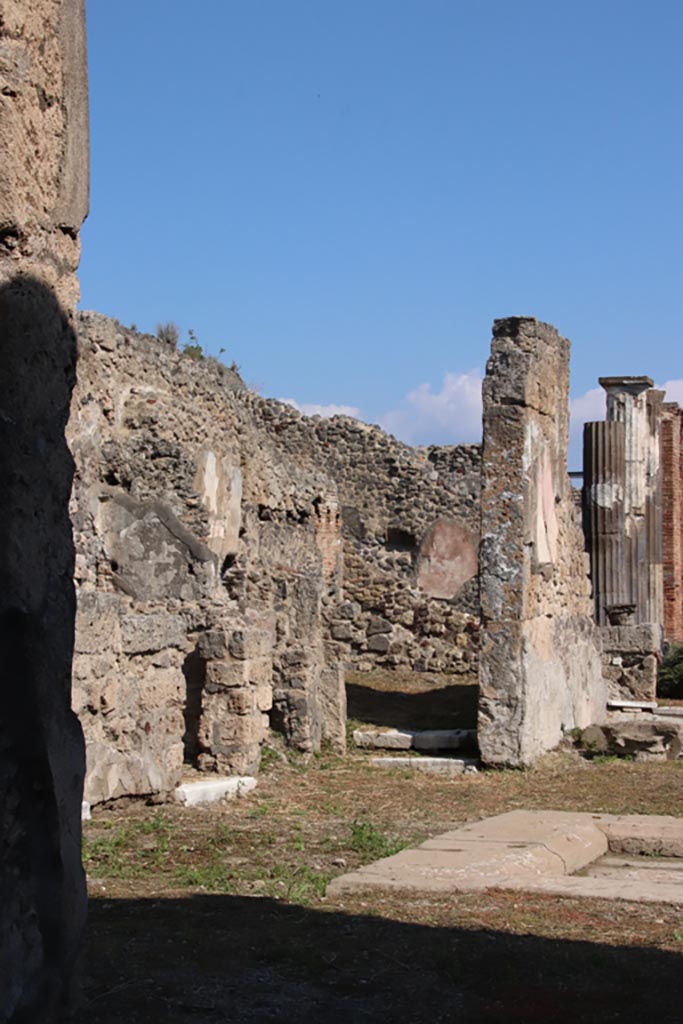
x=670, y=682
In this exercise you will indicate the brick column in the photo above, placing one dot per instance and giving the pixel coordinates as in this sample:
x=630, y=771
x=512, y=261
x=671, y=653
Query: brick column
x=672, y=519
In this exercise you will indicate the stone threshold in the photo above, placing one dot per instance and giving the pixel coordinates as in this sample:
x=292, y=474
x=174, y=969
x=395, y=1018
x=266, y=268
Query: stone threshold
x=414, y=739
x=538, y=851
x=431, y=765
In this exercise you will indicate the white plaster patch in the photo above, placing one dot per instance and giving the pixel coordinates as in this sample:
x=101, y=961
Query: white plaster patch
x=546, y=530
x=220, y=486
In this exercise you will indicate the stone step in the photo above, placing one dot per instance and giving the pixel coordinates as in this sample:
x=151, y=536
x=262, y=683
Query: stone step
x=414, y=739
x=631, y=705
x=670, y=712
x=433, y=765
x=209, y=790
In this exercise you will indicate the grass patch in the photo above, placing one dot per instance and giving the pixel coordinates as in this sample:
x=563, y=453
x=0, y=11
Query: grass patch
x=372, y=844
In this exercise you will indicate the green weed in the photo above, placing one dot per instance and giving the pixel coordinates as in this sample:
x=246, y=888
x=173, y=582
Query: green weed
x=372, y=844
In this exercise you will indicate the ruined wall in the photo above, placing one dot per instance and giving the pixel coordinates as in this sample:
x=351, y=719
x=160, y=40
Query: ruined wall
x=672, y=519
x=540, y=669
x=410, y=520
x=199, y=569
x=43, y=201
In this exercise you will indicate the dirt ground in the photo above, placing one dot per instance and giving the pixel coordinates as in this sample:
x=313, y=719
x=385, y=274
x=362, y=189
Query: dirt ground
x=218, y=914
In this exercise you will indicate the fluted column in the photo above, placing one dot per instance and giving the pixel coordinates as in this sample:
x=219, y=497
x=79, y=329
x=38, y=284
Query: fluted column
x=632, y=402
x=603, y=482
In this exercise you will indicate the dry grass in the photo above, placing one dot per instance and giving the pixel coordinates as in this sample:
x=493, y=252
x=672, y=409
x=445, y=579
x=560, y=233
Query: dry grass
x=218, y=914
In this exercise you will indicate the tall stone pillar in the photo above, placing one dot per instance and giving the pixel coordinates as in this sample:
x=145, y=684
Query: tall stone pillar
x=43, y=201
x=633, y=402
x=603, y=504
x=540, y=670
x=672, y=519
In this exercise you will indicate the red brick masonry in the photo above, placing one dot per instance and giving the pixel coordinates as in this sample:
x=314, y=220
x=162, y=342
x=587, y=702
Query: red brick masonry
x=672, y=518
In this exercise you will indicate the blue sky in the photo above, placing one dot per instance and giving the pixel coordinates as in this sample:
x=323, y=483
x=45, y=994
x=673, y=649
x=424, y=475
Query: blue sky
x=343, y=194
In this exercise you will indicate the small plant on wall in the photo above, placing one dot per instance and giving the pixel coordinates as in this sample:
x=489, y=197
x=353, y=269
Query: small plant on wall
x=169, y=333
x=193, y=349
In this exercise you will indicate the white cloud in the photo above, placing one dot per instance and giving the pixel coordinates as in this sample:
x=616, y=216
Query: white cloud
x=326, y=411
x=591, y=406
x=586, y=408
x=450, y=415
x=674, y=391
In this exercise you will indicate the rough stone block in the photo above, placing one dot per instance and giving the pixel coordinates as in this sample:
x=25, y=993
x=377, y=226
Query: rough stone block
x=379, y=643
x=143, y=633
x=250, y=643
x=97, y=622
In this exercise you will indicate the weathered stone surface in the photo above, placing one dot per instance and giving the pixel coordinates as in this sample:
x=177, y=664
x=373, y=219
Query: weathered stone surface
x=630, y=658
x=540, y=668
x=43, y=199
x=644, y=737
x=141, y=634
x=200, y=571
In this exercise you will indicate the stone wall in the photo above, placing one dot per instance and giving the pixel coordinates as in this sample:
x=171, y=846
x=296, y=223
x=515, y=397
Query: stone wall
x=672, y=519
x=540, y=667
x=204, y=557
x=43, y=201
x=410, y=521
x=210, y=520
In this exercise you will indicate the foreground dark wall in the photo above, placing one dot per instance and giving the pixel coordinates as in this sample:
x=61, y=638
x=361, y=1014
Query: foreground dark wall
x=43, y=200
x=42, y=888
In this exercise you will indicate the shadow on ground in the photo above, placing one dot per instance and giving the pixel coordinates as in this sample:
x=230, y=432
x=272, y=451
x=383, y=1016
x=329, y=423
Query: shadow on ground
x=442, y=707
x=221, y=958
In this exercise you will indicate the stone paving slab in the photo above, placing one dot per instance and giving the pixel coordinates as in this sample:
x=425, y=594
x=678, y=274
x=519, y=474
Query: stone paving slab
x=531, y=850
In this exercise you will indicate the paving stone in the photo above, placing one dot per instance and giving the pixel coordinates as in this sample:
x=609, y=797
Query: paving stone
x=541, y=851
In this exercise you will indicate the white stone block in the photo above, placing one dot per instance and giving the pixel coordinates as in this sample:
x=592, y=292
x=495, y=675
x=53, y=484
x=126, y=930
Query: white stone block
x=85, y=811
x=391, y=739
x=209, y=790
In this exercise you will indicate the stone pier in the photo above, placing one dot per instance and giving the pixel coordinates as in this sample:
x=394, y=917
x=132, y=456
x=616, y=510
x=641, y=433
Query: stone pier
x=540, y=668
x=43, y=201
